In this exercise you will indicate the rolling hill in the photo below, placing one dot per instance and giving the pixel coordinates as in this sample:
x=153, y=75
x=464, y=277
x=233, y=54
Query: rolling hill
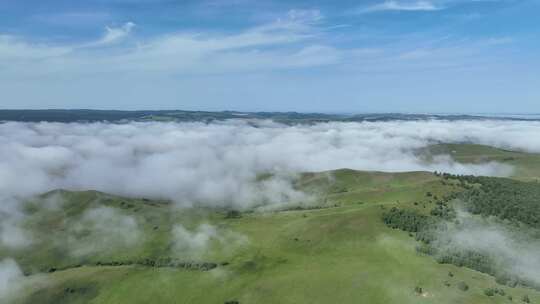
x=335, y=249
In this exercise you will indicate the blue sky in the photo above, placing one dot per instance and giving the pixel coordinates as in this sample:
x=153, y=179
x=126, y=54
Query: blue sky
x=312, y=56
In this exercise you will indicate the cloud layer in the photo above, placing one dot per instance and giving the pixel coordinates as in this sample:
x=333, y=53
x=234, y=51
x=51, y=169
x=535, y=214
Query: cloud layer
x=218, y=164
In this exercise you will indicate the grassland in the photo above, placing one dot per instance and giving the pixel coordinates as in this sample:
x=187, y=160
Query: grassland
x=526, y=165
x=342, y=253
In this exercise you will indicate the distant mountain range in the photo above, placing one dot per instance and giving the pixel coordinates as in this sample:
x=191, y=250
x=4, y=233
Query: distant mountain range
x=208, y=116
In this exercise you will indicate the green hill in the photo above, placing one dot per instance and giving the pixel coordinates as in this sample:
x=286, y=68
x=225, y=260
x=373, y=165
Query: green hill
x=526, y=165
x=336, y=250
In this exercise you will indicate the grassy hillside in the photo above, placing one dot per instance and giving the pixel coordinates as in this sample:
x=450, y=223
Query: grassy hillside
x=526, y=165
x=337, y=251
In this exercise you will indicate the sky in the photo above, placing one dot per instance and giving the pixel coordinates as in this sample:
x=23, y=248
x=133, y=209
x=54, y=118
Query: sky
x=421, y=56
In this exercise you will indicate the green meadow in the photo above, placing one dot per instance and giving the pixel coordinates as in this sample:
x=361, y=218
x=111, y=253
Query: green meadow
x=336, y=250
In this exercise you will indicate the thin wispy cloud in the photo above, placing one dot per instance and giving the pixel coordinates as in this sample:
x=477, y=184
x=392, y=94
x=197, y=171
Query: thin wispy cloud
x=186, y=52
x=14, y=48
x=309, y=16
x=392, y=5
x=115, y=34
x=418, y=5
x=297, y=40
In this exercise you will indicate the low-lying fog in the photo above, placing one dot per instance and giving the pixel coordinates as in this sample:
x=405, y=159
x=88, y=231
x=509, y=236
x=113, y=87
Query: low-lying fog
x=216, y=164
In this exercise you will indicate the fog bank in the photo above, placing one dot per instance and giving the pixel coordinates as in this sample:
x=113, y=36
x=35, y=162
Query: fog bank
x=218, y=164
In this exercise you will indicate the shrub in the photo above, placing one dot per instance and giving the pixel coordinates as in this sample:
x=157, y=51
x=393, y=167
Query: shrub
x=463, y=286
x=231, y=214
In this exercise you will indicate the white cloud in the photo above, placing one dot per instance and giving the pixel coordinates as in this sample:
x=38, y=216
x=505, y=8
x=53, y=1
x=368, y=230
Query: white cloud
x=13, y=50
x=513, y=252
x=115, y=34
x=195, y=243
x=12, y=234
x=307, y=16
x=416, y=5
x=10, y=279
x=394, y=5
x=298, y=40
x=178, y=53
x=218, y=164
x=23, y=53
